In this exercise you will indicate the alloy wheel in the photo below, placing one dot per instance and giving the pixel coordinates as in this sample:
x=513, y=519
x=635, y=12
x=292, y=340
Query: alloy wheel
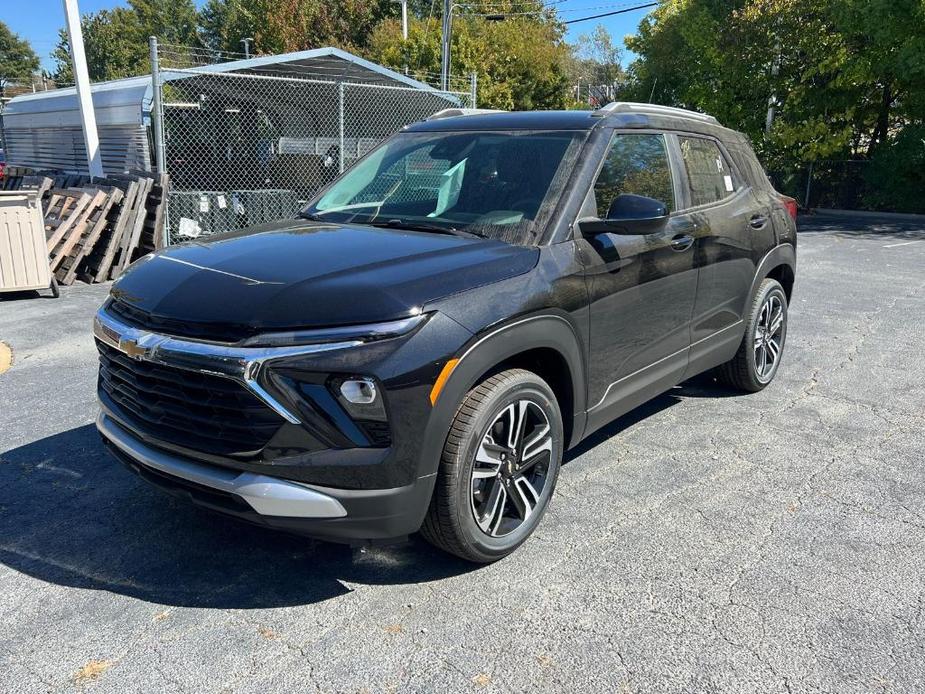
x=511, y=468
x=769, y=337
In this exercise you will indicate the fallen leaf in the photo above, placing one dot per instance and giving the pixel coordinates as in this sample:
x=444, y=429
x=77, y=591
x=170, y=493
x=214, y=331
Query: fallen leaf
x=544, y=660
x=92, y=670
x=481, y=680
x=268, y=634
x=161, y=616
x=394, y=629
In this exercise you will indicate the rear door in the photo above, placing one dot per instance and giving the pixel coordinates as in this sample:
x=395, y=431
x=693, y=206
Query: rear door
x=726, y=215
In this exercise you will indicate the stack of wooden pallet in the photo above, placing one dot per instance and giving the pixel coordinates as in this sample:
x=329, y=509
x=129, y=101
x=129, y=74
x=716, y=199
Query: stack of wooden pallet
x=96, y=229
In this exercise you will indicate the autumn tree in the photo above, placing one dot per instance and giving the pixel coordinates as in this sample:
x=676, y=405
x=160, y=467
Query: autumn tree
x=519, y=62
x=282, y=26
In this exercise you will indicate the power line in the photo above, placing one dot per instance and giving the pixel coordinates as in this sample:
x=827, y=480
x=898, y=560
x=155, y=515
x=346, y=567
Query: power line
x=610, y=14
x=622, y=7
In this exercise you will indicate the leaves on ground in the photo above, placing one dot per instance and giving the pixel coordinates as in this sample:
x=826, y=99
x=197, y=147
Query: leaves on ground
x=92, y=671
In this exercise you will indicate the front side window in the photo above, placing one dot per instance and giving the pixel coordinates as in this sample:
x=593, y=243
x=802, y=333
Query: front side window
x=499, y=185
x=636, y=164
x=708, y=174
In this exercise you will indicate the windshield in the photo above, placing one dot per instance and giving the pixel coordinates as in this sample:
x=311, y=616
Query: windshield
x=491, y=184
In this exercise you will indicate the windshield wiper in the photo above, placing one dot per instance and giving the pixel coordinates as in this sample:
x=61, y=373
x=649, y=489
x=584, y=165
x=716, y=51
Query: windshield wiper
x=311, y=216
x=421, y=226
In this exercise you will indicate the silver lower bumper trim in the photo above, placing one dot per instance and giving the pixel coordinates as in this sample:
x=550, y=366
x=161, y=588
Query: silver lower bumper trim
x=268, y=496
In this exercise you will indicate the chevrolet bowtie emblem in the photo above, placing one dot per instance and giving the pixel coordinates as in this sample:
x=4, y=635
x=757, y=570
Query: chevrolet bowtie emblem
x=131, y=348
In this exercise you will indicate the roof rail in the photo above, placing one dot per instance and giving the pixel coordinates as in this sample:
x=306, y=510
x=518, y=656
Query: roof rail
x=655, y=110
x=452, y=112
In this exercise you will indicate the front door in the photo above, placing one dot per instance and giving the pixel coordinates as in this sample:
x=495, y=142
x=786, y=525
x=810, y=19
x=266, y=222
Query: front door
x=642, y=287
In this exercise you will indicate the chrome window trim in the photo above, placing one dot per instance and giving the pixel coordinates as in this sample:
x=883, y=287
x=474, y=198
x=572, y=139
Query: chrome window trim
x=240, y=364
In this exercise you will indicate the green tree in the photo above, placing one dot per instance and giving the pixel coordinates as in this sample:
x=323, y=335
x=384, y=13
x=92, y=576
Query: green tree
x=595, y=63
x=844, y=74
x=111, y=46
x=597, y=59
x=116, y=41
x=18, y=62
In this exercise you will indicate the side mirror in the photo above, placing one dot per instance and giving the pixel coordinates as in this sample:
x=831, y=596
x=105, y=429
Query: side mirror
x=631, y=215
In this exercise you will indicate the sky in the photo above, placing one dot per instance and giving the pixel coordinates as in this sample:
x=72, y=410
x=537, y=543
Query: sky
x=39, y=20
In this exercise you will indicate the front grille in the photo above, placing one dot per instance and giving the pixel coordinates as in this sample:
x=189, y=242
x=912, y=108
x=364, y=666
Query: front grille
x=188, y=408
x=179, y=328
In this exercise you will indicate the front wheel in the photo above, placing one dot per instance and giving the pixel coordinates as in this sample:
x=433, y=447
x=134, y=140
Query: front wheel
x=498, y=469
x=758, y=359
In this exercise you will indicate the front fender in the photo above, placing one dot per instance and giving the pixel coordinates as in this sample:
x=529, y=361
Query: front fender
x=495, y=345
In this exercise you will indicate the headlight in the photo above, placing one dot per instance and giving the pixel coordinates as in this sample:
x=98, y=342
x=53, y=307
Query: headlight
x=364, y=333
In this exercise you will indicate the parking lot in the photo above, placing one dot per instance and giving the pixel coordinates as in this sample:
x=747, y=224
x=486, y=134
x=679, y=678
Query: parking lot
x=707, y=542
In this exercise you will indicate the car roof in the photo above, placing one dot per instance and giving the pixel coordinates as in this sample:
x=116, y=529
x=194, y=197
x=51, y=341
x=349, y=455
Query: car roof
x=624, y=115
x=512, y=120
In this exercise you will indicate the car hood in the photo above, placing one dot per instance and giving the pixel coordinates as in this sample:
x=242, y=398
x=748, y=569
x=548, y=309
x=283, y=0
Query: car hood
x=303, y=275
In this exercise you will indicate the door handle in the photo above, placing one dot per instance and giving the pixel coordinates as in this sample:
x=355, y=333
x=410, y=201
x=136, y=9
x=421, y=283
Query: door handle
x=682, y=243
x=758, y=221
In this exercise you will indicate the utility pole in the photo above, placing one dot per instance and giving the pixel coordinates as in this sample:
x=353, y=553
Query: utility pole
x=404, y=19
x=447, y=42
x=772, y=100
x=75, y=40
x=247, y=46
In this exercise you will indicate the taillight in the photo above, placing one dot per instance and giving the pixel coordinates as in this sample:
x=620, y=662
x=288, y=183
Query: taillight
x=791, y=206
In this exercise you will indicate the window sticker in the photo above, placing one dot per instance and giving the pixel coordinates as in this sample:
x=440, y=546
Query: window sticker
x=203, y=203
x=728, y=182
x=220, y=201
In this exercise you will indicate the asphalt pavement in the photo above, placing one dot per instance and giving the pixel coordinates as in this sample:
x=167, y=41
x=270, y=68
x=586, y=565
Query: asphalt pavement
x=707, y=542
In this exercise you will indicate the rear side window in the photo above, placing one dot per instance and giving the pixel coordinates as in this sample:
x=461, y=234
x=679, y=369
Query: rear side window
x=709, y=177
x=637, y=164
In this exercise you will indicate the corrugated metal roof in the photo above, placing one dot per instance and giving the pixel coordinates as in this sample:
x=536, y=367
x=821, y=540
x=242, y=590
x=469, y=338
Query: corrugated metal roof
x=128, y=101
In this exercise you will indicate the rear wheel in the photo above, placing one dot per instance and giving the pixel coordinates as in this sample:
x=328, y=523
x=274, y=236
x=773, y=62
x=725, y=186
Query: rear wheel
x=758, y=359
x=498, y=469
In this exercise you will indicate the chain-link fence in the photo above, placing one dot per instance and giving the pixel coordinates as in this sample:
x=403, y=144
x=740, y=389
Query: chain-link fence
x=251, y=145
x=841, y=184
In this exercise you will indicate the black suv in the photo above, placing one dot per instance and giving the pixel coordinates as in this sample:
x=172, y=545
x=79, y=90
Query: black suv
x=418, y=349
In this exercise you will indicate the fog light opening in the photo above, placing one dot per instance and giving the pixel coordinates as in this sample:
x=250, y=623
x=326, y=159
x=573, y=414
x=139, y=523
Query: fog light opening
x=359, y=391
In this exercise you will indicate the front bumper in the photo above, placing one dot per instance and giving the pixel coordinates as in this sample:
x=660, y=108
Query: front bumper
x=342, y=515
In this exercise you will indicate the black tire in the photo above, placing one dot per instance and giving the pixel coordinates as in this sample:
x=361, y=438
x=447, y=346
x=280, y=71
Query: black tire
x=54, y=288
x=745, y=371
x=451, y=523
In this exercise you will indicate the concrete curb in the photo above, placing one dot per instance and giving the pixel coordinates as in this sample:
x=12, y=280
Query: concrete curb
x=866, y=214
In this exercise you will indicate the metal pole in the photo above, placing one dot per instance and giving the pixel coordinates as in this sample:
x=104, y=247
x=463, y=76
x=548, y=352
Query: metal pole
x=404, y=20
x=340, y=109
x=82, y=81
x=247, y=46
x=447, y=42
x=809, y=183
x=157, y=108
x=474, y=89
x=772, y=100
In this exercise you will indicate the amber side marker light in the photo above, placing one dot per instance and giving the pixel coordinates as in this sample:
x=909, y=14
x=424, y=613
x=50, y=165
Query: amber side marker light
x=441, y=380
